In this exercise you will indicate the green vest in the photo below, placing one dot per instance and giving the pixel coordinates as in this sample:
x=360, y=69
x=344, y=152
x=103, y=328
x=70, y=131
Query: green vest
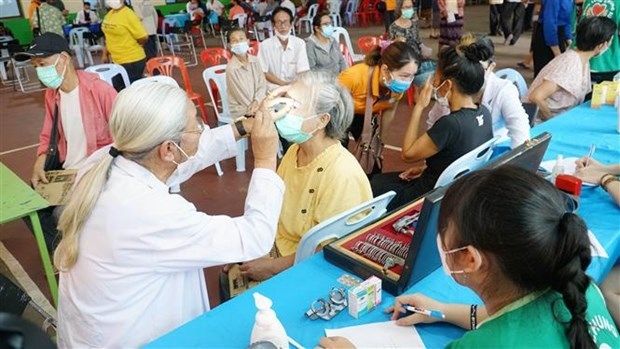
x=609, y=61
x=539, y=321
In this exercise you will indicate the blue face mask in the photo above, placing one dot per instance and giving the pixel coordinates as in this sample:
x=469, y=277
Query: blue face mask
x=328, y=31
x=49, y=76
x=289, y=127
x=398, y=86
x=408, y=13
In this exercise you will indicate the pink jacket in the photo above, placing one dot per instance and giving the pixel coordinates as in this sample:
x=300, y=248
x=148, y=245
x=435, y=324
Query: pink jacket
x=96, y=98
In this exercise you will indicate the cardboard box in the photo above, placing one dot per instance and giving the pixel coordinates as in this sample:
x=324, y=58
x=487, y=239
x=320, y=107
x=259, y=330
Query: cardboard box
x=364, y=297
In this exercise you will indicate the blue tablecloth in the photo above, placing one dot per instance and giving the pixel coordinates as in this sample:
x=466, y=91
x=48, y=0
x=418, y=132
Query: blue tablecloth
x=178, y=18
x=230, y=324
x=94, y=28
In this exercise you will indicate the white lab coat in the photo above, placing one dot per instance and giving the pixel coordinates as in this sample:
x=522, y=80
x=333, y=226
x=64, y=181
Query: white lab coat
x=142, y=250
x=501, y=98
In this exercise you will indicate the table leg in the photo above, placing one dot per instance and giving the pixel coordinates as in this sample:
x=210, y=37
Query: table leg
x=45, y=257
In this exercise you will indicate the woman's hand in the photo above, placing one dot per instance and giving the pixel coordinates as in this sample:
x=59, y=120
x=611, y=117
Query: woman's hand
x=425, y=94
x=592, y=173
x=335, y=343
x=258, y=269
x=38, y=173
x=412, y=173
x=416, y=300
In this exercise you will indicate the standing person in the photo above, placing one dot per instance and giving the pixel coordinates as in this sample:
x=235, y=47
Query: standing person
x=132, y=253
x=458, y=80
x=564, y=82
x=322, y=49
x=606, y=65
x=145, y=10
x=86, y=15
x=244, y=77
x=32, y=8
x=389, y=14
x=512, y=20
x=518, y=279
x=49, y=18
x=552, y=33
x=124, y=40
x=451, y=25
x=283, y=56
x=435, y=19
x=80, y=101
x=393, y=69
x=60, y=6
x=495, y=12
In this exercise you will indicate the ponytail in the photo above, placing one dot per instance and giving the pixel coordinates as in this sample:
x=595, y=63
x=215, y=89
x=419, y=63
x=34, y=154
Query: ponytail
x=570, y=279
x=373, y=58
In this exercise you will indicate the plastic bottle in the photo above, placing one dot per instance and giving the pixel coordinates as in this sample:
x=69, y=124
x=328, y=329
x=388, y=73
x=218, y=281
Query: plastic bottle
x=558, y=168
x=267, y=327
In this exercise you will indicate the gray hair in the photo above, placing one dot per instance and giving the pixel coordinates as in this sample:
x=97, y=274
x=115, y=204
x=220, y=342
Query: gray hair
x=326, y=95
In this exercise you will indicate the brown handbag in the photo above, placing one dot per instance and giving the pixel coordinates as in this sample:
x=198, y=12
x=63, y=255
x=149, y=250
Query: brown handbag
x=369, y=148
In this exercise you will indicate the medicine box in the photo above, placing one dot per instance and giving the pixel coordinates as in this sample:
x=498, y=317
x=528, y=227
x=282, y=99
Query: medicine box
x=364, y=297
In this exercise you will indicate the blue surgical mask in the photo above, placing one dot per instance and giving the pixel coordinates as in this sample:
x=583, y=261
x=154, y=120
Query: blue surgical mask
x=289, y=127
x=398, y=86
x=49, y=76
x=240, y=48
x=408, y=13
x=328, y=30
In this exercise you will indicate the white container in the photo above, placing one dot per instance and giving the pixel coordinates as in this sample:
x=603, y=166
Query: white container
x=558, y=168
x=267, y=327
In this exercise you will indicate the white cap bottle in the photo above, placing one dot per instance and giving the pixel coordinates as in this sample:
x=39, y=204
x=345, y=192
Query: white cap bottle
x=558, y=168
x=267, y=327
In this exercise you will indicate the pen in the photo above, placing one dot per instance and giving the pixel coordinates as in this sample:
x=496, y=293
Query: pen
x=590, y=154
x=432, y=313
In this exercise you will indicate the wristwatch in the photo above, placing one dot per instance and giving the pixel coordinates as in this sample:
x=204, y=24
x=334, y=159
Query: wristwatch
x=240, y=128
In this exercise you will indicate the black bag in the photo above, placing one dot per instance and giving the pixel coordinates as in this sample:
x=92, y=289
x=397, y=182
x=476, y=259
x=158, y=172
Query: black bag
x=52, y=161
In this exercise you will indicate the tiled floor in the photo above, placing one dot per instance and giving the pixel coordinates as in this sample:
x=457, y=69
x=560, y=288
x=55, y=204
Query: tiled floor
x=21, y=118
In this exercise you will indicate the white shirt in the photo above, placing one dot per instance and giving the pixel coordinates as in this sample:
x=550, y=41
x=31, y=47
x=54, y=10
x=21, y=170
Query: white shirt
x=216, y=6
x=70, y=114
x=147, y=14
x=289, y=5
x=142, y=250
x=501, y=98
x=284, y=63
x=81, y=18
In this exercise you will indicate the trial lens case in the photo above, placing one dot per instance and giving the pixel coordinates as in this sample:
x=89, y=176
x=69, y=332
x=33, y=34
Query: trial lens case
x=422, y=257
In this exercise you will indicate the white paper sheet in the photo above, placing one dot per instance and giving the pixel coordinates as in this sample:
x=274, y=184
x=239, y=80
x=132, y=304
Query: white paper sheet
x=569, y=167
x=596, y=247
x=384, y=335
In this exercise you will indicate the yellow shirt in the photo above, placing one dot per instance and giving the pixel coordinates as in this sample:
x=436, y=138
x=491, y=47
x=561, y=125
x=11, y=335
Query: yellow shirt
x=355, y=79
x=331, y=184
x=390, y=5
x=122, y=29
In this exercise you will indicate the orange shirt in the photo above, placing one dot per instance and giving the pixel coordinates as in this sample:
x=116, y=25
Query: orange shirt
x=355, y=79
x=235, y=10
x=31, y=8
x=390, y=5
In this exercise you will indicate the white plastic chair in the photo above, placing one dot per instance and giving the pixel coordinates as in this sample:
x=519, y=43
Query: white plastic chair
x=349, y=12
x=241, y=19
x=83, y=50
x=307, y=19
x=263, y=30
x=334, y=12
x=467, y=163
x=217, y=75
x=339, y=34
x=342, y=224
x=108, y=71
x=164, y=79
x=516, y=78
x=177, y=41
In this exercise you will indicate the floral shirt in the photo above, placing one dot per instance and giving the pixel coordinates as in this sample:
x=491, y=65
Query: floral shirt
x=52, y=19
x=411, y=35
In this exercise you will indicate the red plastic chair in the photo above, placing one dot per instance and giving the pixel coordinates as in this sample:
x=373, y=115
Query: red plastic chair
x=367, y=43
x=411, y=95
x=254, y=46
x=165, y=65
x=214, y=56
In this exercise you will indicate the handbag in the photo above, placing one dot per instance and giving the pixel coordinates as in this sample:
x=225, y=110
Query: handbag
x=52, y=161
x=369, y=148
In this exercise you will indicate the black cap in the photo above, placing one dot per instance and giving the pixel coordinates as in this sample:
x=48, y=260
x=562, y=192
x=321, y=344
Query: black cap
x=45, y=45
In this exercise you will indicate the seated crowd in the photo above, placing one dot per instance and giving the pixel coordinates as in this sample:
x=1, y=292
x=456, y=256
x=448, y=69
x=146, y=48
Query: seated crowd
x=126, y=248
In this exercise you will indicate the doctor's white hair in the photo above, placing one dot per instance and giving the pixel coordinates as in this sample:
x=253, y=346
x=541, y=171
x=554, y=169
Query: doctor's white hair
x=326, y=95
x=143, y=117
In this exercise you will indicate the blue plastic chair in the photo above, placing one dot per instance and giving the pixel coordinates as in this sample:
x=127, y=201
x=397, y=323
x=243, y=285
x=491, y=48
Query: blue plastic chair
x=342, y=224
x=467, y=163
x=516, y=78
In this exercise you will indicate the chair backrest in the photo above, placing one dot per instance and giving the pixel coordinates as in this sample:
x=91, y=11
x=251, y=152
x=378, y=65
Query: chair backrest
x=254, y=47
x=312, y=10
x=217, y=75
x=214, y=56
x=350, y=6
x=76, y=36
x=467, y=163
x=165, y=65
x=241, y=19
x=334, y=6
x=339, y=34
x=107, y=72
x=342, y=224
x=346, y=54
x=164, y=79
x=367, y=43
x=516, y=78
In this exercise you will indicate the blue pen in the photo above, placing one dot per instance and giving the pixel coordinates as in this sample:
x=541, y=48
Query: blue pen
x=431, y=313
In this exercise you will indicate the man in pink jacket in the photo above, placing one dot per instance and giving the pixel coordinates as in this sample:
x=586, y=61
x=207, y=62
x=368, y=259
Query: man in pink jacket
x=81, y=101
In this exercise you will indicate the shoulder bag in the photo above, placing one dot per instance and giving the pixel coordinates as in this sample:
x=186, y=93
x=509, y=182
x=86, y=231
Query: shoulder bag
x=369, y=148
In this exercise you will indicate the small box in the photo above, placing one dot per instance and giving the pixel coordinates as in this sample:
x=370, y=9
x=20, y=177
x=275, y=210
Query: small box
x=569, y=184
x=364, y=297
x=604, y=93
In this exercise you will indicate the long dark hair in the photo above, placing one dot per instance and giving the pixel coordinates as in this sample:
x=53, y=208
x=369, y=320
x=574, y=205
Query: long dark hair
x=521, y=220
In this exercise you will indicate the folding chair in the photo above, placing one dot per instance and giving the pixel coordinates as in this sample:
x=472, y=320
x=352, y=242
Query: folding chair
x=467, y=163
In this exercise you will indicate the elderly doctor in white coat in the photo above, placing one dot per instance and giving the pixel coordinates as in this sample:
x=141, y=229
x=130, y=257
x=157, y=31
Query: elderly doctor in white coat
x=131, y=254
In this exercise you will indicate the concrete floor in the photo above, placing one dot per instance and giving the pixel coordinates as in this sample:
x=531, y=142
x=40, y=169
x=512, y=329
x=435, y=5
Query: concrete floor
x=21, y=119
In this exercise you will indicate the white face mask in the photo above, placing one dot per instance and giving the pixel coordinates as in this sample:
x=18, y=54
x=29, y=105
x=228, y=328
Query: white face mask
x=240, y=48
x=114, y=4
x=283, y=37
x=442, y=255
x=443, y=101
x=187, y=157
